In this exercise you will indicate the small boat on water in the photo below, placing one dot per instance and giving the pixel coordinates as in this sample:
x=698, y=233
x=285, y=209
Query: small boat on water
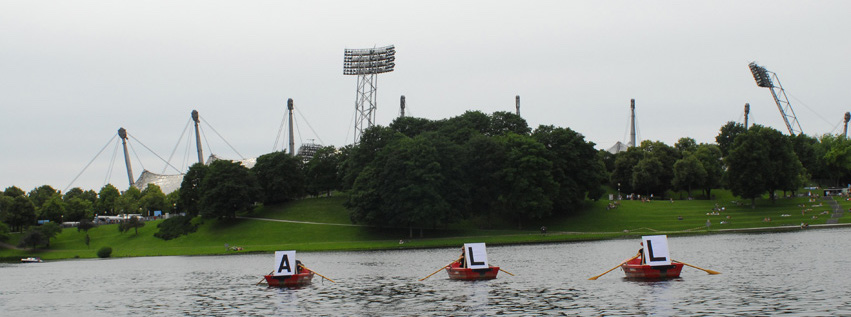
x=635, y=270
x=31, y=260
x=456, y=272
x=301, y=278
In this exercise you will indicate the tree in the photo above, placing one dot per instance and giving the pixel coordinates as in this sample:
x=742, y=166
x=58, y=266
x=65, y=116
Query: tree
x=577, y=171
x=727, y=136
x=836, y=158
x=40, y=195
x=4, y=232
x=129, y=202
x=280, y=176
x=666, y=156
x=685, y=145
x=77, y=209
x=503, y=122
x=688, y=173
x=321, y=171
x=710, y=157
x=132, y=223
x=21, y=213
x=13, y=191
x=50, y=230
x=152, y=199
x=761, y=160
x=107, y=199
x=648, y=177
x=625, y=162
x=228, y=188
x=32, y=238
x=527, y=180
x=86, y=225
x=53, y=209
x=189, y=199
x=373, y=140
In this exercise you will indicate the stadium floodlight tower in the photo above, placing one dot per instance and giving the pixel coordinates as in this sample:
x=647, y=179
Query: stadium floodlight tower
x=367, y=64
x=763, y=78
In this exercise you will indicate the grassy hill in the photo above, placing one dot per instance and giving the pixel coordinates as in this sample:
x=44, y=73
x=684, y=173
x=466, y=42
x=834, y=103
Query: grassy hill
x=323, y=224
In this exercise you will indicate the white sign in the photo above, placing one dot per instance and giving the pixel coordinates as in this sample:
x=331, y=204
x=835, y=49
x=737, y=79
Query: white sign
x=284, y=263
x=475, y=255
x=656, y=250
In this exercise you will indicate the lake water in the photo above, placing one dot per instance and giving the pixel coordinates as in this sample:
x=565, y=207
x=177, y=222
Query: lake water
x=801, y=273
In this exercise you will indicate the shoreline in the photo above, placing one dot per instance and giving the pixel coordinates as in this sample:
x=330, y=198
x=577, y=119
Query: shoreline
x=557, y=237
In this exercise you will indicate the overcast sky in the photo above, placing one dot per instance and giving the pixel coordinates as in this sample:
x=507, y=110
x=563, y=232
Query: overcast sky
x=73, y=72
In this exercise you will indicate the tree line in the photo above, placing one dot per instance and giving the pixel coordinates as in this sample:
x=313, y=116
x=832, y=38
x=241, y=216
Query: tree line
x=421, y=173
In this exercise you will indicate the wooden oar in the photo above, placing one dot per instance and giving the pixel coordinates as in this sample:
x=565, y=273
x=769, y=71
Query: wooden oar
x=506, y=272
x=264, y=279
x=441, y=268
x=617, y=266
x=702, y=269
x=317, y=273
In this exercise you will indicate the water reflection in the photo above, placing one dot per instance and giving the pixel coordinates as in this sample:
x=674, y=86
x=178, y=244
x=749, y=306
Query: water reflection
x=794, y=273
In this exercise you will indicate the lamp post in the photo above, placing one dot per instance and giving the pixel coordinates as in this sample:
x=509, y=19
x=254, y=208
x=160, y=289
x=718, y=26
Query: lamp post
x=619, y=191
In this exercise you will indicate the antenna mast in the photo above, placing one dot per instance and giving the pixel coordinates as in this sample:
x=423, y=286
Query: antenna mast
x=123, y=135
x=747, y=112
x=292, y=138
x=197, y=120
x=632, y=140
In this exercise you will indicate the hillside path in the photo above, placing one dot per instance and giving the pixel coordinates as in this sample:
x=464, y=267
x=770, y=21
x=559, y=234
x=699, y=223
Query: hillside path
x=304, y=222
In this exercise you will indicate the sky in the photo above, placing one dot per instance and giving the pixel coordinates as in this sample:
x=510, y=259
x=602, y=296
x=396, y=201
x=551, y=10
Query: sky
x=73, y=72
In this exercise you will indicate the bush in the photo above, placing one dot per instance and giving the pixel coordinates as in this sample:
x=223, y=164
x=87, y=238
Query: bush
x=174, y=227
x=104, y=252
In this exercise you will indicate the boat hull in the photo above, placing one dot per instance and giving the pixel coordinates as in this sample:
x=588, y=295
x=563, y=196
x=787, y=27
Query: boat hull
x=300, y=279
x=635, y=270
x=31, y=260
x=456, y=272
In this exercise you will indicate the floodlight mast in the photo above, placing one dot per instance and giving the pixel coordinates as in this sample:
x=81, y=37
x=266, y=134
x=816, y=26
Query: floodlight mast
x=367, y=64
x=763, y=78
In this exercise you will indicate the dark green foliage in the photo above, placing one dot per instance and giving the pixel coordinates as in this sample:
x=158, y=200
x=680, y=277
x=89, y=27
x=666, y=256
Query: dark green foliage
x=727, y=136
x=77, y=208
x=4, y=232
x=13, y=191
x=53, y=209
x=132, y=223
x=20, y=213
x=152, y=200
x=32, y=238
x=228, y=188
x=762, y=160
x=321, y=171
x=41, y=195
x=280, y=176
x=189, y=198
x=107, y=199
x=104, y=252
x=577, y=169
x=50, y=230
x=174, y=227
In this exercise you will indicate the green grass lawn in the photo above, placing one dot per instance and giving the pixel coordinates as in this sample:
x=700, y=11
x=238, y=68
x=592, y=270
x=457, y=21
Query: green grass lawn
x=593, y=221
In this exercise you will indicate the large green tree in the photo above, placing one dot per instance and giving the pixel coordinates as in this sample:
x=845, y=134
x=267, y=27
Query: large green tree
x=689, y=173
x=762, y=160
x=189, y=197
x=321, y=171
x=77, y=209
x=21, y=213
x=40, y=195
x=129, y=202
x=727, y=136
x=710, y=157
x=153, y=200
x=280, y=176
x=577, y=171
x=107, y=199
x=528, y=185
x=836, y=158
x=53, y=209
x=227, y=189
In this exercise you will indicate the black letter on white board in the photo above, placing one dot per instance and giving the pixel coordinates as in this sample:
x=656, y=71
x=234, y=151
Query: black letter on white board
x=285, y=264
x=650, y=251
x=472, y=260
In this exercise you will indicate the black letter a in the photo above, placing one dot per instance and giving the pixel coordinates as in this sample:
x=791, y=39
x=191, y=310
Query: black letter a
x=285, y=264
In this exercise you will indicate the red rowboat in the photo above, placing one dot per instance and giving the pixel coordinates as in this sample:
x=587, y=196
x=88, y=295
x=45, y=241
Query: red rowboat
x=635, y=270
x=299, y=279
x=456, y=272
